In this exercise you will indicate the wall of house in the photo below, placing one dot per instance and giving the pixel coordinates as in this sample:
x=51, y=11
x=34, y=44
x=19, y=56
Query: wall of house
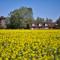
x=3, y=23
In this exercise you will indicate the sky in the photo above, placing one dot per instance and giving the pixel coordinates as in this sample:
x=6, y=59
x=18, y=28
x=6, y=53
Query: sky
x=41, y=8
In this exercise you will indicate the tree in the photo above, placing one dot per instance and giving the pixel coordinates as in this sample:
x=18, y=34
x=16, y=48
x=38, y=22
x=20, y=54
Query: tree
x=58, y=22
x=48, y=21
x=39, y=20
x=19, y=18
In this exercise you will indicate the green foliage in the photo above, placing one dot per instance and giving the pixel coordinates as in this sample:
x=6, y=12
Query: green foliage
x=40, y=20
x=58, y=22
x=20, y=17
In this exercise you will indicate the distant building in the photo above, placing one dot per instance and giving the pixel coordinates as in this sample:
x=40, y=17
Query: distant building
x=46, y=26
x=33, y=26
x=43, y=26
x=2, y=22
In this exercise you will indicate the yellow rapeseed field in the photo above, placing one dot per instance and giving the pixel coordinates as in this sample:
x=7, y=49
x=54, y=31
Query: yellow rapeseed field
x=29, y=44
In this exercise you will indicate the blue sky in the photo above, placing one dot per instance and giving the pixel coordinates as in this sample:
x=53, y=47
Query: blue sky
x=41, y=8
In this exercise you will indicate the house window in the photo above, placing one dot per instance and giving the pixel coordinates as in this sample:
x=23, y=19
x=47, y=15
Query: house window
x=46, y=25
x=33, y=25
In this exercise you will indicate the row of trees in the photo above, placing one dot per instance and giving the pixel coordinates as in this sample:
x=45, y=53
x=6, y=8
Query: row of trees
x=23, y=18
